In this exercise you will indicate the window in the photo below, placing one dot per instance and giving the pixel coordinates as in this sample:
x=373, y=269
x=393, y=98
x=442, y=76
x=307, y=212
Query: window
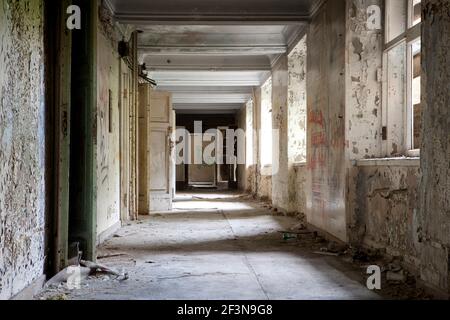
x=395, y=19
x=249, y=133
x=414, y=98
x=402, y=70
x=266, y=124
x=297, y=103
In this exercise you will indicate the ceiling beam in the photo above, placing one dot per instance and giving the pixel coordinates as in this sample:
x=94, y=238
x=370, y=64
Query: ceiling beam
x=212, y=50
x=175, y=67
x=212, y=90
x=209, y=82
x=210, y=19
x=207, y=111
x=214, y=108
x=207, y=106
x=208, y=79
x=208, y=98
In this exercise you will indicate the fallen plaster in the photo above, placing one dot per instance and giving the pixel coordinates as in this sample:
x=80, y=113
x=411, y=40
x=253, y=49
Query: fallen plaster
x=180, y=255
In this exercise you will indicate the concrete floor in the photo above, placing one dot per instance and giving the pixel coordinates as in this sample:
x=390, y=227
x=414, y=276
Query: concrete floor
x=218, y=246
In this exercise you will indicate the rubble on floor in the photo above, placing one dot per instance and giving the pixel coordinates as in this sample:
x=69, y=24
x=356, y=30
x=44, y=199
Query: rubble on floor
x=397, y=283
x=152, y=253
x=74, y=277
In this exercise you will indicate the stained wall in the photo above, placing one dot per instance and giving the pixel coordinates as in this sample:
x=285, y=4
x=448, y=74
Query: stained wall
x=108, y=128
x=297, y=127
x=385, y=213
x=280, y=162
x=434, y=198
x=22, y=155
x=326, y=174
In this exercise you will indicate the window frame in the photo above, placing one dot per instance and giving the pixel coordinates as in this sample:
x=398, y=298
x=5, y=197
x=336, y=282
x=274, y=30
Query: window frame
x=409, y=126
x=409, y=36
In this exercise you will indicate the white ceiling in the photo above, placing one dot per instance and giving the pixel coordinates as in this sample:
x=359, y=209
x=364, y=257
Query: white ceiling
x=212, y=53
x=151, y=11
x=205, y=79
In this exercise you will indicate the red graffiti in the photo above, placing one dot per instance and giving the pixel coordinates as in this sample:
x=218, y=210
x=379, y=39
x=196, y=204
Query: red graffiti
x=316, y=160
x=316, y=117
x=318, y=139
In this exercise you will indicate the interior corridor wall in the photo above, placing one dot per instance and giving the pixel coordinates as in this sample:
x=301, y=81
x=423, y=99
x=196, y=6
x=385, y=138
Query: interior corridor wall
x=108, y=133
x=382, y=194
x=326, y=179
x=262, y=111
x=242, y=172
x=297, y=119
x=22, y=141
x=280, y=162
x=434, y=197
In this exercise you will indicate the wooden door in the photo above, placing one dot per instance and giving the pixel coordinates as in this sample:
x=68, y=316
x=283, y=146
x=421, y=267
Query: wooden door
x=161, y=153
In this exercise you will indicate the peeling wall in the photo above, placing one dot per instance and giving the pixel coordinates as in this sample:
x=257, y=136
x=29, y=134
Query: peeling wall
x=434, y=203
x=242, y=172
x=262, y=108
x=297, y=103
x=385, y=215
x=297, y=119
x=326, y=176
x=250, y=174
x=108, y=128
x=363, y=82
x=280, y=163
x=22, y=166
x=297, y=194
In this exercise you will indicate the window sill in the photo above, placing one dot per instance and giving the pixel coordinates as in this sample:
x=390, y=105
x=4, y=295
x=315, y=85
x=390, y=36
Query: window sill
x=393, y=162
x=413, y=153
x=299, y=164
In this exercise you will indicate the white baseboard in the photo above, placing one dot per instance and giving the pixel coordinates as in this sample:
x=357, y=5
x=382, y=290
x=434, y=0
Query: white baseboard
x=30, y=291
x=102, y=237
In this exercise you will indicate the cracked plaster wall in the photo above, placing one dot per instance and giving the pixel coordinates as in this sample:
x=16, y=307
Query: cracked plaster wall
x=108, y=139
x=385, y=212
x=22, y=165
x=280, y=163
x=326, y=180
x=363, y=82
x=297, y=118
x=434, y=201
x=263, y=177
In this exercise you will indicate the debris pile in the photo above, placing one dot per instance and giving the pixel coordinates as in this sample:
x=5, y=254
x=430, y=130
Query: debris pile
x=83, y=271
x=397, y=282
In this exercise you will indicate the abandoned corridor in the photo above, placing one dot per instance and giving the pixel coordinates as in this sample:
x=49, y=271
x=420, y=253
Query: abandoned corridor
x=338, y=157
x=218, y=246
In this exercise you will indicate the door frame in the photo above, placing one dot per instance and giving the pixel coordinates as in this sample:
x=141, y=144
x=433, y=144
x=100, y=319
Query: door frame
x=58, y=57
x=125, y=151
x=83, y=205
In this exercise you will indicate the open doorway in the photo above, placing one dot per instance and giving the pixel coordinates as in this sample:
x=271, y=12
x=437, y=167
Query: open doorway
x=202, y=167
x=82, y=209
x=70, y=156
